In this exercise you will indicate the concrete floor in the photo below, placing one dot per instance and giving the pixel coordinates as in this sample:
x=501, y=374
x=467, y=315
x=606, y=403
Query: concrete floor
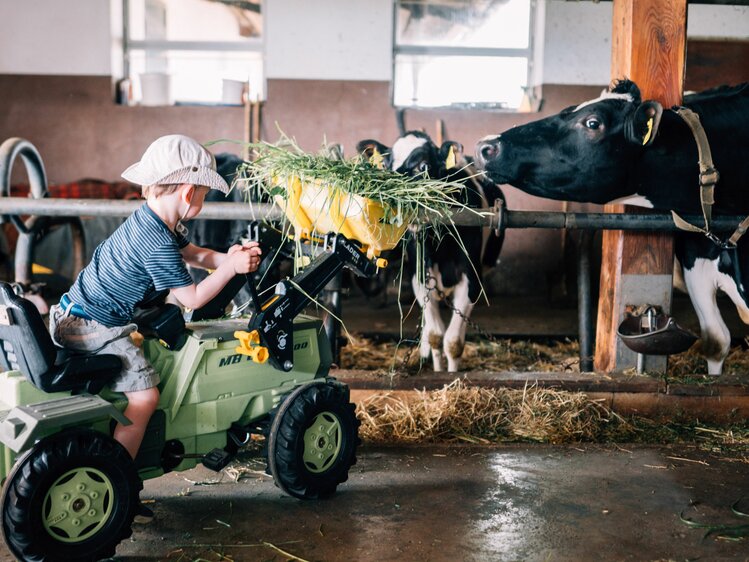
x=450, y=503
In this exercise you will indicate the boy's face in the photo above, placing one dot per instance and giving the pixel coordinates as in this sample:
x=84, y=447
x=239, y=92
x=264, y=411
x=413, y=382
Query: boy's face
x=194, y=196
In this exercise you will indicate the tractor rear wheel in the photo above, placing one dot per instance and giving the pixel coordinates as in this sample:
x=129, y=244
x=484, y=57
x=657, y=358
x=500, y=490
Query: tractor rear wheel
x=312, y=440
x=71, y=497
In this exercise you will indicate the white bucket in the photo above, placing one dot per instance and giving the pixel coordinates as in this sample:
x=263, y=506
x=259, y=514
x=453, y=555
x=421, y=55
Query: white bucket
x=232, y=91
x=155, y=89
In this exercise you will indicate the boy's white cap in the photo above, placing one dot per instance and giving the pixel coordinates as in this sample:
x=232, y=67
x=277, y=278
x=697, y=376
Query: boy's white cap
x=176, y=159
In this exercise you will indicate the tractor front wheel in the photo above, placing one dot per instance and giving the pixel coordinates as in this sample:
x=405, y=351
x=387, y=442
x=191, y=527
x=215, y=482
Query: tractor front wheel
x=71, y=497
x=312, y=440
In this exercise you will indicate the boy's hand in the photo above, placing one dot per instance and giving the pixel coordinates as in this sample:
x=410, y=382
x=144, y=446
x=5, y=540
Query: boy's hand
x=245, y=258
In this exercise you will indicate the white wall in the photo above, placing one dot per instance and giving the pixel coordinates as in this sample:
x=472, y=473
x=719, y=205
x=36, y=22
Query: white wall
x=55, y=37
x=578, y=37
x=305, y=41
x=329, y=39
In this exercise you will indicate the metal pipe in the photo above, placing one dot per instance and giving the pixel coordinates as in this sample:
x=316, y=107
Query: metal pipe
x=503, y=219
x=584, y=301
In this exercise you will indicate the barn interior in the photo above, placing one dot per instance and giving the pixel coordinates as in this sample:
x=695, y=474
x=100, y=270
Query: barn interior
x=545, y=444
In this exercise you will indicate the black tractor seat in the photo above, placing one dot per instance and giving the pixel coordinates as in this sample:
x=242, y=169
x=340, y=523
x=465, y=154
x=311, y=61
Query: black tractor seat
x=27, y=347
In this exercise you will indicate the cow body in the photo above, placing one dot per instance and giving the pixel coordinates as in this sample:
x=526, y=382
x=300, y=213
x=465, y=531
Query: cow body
x=620, y=149
x=451, y=264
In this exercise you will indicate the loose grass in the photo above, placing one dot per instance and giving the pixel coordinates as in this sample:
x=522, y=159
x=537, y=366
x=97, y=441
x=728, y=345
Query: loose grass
x=403, y=198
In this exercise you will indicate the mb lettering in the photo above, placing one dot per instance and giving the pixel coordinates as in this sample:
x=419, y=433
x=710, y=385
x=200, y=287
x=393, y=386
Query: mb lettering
x=237, y=357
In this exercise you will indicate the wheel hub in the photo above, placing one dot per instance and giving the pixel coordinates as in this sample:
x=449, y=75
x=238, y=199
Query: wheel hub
x=322, y=442
x=78, y=504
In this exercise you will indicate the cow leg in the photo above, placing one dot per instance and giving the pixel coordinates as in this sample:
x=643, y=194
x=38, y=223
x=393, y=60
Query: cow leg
x=702, y=284
x=455, y=336
x=433, y=329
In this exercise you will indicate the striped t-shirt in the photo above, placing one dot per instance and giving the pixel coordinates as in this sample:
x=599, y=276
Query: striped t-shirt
x=141, y=257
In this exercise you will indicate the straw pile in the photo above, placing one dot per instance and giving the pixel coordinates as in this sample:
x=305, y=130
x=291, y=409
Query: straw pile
x=500, y=355
x=482, y=415
x=521, y=356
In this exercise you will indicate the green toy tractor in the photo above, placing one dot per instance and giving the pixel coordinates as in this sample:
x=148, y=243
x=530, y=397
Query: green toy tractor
x=70, y=491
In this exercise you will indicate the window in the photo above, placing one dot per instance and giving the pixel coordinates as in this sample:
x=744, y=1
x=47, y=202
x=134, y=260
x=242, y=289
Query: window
x=193, y=51
x=464, y=53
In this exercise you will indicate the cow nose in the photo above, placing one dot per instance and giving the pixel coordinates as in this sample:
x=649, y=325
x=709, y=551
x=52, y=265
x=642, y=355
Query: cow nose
x=487, y=150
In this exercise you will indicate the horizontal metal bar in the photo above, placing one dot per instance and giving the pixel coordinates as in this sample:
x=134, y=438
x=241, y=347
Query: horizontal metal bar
x=249, y=46
x=245, y=211
x=118, y=208
x=457, y=51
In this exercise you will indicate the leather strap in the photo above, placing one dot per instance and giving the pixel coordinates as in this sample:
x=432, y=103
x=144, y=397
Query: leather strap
x=709, y=176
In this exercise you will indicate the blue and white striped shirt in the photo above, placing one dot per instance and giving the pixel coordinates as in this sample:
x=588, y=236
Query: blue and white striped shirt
x=141, y=257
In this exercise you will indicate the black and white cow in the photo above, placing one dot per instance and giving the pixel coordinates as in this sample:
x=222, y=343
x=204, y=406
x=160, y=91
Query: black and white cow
x=619, y=148
x=452, y=267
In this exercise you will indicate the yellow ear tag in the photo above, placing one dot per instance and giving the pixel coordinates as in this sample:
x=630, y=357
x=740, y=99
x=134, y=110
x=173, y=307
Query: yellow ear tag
x=376, y=159
x=450, y=160
x=650, y=131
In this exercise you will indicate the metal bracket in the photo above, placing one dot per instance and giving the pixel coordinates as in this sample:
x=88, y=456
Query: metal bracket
x=500, y=216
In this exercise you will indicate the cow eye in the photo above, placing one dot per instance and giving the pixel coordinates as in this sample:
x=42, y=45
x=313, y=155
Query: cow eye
x=592, y=123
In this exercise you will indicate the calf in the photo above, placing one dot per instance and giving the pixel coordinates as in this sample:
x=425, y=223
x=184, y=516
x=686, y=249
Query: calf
x=620, y=149
x=452, y=265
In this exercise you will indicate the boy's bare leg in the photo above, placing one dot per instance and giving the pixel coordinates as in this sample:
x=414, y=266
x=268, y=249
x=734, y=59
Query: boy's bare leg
x=141, y=404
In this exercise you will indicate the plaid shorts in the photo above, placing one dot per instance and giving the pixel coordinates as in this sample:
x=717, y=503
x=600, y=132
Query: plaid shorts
x=78, y=334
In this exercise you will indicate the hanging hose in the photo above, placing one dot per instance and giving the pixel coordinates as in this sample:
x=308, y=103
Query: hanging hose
x=9, y=151
x=36, y=227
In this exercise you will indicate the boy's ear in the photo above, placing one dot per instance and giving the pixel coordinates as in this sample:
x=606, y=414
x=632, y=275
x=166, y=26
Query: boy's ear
x=186, y=192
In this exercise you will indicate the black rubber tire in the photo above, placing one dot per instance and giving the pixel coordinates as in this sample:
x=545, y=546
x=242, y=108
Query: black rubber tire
x=285, y=439
x=39, y=469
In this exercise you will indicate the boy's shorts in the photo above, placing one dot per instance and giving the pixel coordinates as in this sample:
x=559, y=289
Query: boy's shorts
x=79, y=334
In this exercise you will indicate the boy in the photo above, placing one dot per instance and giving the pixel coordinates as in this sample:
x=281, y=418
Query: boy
x=148, y=253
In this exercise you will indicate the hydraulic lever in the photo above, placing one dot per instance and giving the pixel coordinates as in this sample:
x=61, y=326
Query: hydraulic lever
x=273, y=319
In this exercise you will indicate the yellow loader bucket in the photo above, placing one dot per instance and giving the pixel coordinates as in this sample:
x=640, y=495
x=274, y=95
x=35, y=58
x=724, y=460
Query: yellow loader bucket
x=314, y=207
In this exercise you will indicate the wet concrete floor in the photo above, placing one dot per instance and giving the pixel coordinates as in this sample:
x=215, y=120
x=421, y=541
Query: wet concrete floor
x=456, y=503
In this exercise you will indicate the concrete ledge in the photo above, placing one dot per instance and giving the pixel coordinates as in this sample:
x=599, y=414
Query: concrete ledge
x=720, y=400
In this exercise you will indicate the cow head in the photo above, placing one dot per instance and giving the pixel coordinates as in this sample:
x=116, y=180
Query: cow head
x=375, y=153
x=414, y=154
x=585, y=153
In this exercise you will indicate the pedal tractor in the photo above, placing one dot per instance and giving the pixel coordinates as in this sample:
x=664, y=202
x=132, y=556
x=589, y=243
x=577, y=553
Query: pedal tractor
x=70, y=490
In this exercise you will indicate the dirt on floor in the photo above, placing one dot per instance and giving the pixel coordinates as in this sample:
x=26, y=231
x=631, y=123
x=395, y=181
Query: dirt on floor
x=462, y=503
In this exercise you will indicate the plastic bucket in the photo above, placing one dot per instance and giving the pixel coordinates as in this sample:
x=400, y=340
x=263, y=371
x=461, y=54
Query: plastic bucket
x=155, y=89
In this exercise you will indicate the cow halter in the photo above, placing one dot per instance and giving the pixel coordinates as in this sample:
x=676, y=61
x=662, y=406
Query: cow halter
x=709, y=176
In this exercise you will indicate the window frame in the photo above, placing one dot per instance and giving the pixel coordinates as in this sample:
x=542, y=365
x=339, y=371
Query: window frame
x=250, y=45
x=530, y=53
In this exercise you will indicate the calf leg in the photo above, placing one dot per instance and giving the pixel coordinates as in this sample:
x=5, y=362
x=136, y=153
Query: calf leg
x=702, y=284
x=433, y=329
x=455, y=337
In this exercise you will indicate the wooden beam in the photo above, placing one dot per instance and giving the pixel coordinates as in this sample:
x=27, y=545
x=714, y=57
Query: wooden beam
x=648, y=47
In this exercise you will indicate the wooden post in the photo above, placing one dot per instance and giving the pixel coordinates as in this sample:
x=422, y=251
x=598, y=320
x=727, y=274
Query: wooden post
x=648, y=47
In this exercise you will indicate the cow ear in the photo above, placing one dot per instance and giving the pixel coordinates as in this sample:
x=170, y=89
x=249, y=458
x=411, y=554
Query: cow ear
x=374, y=152
x=451, y=153
x=643, y=125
